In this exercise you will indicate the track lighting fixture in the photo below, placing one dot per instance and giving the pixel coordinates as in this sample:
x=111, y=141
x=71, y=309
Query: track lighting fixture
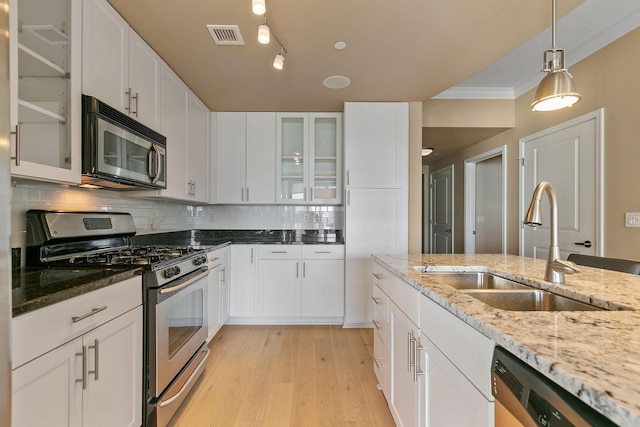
x=278, y=62
x=264, y=33
x=258, y=7
x=556, y=90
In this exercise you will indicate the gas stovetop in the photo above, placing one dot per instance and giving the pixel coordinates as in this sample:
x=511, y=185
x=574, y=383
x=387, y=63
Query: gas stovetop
x=146, y=255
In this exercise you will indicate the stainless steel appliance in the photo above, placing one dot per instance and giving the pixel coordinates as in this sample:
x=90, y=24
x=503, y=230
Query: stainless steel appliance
x=119, y=152
x=525, y=397
x=175, y=294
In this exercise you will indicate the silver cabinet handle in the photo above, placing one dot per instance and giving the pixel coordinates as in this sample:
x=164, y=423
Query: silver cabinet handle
x=83, y=380
x=323, y=252
x=251, y=255
x=17, y=156
x=348, y=197
x=376, y=300
x=416, y=354
x=247, y=194
x=305, y=194
x=96, y=358
x=128, y=107
x=376, y=360
x=278, y=252
x=76, y=319
x=377, y=275
x=242, y=194
x=411, y=355
x=377, y=324
x=347, y=177
x=311, y=199
x=137, y=98
x=304, y=269
x=183, y=285
x=222, y=274
x=297, y=270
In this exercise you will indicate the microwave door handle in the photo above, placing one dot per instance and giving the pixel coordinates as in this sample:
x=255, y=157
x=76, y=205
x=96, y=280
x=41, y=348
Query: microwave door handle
x=159, y=163
x=154, y=178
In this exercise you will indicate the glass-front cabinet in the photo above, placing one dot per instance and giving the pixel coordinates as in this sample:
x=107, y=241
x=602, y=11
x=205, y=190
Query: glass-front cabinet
x=309, y=159
x=45, y=74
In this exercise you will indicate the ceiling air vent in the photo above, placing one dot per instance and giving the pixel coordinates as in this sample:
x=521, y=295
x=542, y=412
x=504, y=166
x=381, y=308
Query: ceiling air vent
x=227, y=35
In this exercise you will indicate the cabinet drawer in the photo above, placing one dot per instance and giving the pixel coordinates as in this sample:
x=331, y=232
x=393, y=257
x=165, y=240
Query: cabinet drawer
x=382, y=364
x=42, y=330
x=323, y=251
x=279, y=252
x=400, y=292
x=466, y=348
x=380, y=305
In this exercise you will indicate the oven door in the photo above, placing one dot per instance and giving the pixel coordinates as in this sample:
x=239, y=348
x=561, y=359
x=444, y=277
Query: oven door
x=128, y=156
x=180, y=327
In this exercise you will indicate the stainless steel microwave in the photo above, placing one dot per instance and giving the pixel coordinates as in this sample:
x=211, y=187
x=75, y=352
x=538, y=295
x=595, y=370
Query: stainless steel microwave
x=119, y=152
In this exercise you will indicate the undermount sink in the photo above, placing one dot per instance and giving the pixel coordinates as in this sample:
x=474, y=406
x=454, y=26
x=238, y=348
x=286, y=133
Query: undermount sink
x=507, y=294
x=476, y=280
x=530, y=300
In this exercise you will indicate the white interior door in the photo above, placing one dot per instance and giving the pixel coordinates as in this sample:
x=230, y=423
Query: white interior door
x=442, y=211
x=488, y=207
x=568, y=156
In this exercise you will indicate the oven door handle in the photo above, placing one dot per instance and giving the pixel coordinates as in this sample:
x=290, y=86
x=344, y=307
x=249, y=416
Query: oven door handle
x=183, y=285
x=188, y=383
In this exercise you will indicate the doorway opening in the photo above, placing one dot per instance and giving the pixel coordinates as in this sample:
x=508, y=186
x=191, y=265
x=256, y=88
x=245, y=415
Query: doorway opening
x=485, y=190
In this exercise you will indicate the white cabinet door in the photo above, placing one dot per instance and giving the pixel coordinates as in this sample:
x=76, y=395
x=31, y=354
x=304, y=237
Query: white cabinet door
x=45, y=89
x=292, y=146
x=279, y=287
x=325, y=152
x=451, y=399
x=214, y=304
x=224, y=285
x=376, y=138
x=260, y=171
x=46, y=391
x=405, y=384
x=198, y=150
x=144, y=81
x=242, y=285
x=230, y=149
x=113, y=397
x=105, y=54
x=368, y=210
x=175, y=110
x=322, y=288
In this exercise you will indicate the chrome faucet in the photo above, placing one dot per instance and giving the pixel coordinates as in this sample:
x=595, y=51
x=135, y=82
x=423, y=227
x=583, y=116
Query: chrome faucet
x=556, y=267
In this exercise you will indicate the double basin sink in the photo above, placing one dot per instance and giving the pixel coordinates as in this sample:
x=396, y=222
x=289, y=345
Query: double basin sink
x=507, y=294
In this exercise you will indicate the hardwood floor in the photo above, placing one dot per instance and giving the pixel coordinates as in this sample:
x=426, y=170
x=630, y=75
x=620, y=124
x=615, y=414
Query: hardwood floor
x=287, y=376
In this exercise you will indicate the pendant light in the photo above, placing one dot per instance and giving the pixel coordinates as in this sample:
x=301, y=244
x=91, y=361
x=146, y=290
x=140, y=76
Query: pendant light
x=258, y=7
x=278, y=62
x=264, y=32
x=556, y=90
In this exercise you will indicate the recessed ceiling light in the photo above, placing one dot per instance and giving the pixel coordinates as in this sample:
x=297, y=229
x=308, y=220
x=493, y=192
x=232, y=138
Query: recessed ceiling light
x=340, y=45
x=336, y=82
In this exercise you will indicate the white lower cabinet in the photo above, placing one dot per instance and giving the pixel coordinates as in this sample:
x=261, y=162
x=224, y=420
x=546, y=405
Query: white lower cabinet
x=292, y=284
x=218, y=290
x=242, y=285
x=94, y=380
x=439, y=365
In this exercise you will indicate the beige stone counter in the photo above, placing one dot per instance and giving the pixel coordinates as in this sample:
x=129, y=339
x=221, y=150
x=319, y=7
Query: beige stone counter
x=593, y=354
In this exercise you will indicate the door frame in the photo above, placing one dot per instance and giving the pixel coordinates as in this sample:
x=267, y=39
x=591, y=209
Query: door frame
x=431, y=215
x=598, y=116
x=470, y=197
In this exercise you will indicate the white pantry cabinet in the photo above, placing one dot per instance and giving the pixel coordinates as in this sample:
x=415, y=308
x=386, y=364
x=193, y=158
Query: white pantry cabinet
x=118, y=67
x=82, y=371
x=45, y=89
x=244, y=156
x=309, y=158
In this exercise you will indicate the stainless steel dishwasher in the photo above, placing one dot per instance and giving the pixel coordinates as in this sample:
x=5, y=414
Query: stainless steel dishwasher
x=524, y=397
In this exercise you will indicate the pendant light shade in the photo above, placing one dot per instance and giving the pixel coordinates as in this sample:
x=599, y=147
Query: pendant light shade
x=556, y=90
x=278, y=62
x=264, y=34
x=258, y=7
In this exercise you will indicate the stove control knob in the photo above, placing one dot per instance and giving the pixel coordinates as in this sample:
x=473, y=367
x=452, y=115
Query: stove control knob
x=200, y=260
x=170, y=272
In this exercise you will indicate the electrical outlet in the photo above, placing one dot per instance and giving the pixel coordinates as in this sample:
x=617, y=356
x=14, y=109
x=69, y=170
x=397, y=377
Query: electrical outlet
x=632, y=219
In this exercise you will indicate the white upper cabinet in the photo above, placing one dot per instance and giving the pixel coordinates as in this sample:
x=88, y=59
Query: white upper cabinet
x=244, y=157
x=309, y=158
x=119, y=68
x=376, y=153
x=45, y=89
x=198, y=150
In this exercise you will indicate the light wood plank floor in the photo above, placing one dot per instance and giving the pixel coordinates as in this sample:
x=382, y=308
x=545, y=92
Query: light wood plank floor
x=287, y=376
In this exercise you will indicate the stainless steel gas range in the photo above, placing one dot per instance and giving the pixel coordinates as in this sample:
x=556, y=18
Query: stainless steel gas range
x=174, y=294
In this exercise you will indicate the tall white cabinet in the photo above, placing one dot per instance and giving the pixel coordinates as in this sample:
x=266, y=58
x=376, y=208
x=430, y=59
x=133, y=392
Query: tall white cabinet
x=376, y=174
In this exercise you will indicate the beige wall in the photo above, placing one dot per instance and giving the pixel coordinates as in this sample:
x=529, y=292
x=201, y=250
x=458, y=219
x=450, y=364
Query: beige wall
x=415, y=177
x=608, y=79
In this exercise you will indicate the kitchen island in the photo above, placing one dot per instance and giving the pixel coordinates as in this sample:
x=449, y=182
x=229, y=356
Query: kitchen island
x=591, y=354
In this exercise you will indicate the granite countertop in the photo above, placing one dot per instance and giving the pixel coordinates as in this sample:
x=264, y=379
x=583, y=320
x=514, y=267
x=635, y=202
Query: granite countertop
x=592, y=354
x=36, y=287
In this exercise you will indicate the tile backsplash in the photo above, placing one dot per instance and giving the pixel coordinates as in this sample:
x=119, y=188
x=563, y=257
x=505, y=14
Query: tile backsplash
x=151, y=214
